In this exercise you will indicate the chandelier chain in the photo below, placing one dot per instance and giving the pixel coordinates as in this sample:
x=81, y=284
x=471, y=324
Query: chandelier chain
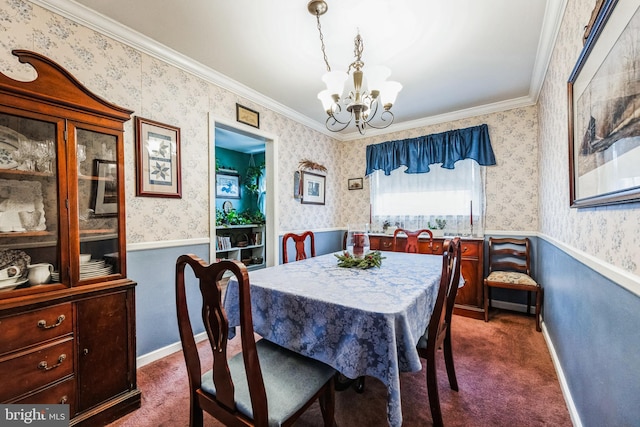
x=324, y=53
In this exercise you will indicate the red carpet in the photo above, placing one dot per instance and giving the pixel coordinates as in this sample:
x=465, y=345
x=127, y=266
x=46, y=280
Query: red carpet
x=505, y=375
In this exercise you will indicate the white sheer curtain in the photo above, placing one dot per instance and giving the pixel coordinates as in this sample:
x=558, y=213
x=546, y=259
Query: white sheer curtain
x=415, y=201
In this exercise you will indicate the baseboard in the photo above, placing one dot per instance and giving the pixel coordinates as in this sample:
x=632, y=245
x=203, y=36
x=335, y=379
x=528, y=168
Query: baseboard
x=566, y=392
x=512, y=306
x=158, y=354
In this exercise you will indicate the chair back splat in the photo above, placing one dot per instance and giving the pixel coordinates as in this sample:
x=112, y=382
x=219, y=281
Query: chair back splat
x=438, y=333
x=299, y=242
x=411, y=245
x=264, y=384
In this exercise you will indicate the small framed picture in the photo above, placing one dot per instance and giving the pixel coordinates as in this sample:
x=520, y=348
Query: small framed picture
x=247, y=116
x=158, y=159
x=313, y=188
x=105, y=188
x=355, y=183
x=227, y=185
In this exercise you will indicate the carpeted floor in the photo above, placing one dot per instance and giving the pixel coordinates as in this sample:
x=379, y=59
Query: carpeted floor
x=504, y=370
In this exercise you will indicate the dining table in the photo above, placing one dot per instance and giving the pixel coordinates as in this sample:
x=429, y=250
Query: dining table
x=362, y=322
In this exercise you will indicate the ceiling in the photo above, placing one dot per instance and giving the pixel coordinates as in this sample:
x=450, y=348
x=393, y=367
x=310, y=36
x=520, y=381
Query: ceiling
x=454, y=58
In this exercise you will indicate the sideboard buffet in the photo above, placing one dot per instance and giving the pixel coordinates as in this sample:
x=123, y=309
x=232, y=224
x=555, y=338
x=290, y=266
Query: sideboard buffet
x=67, y=309
x=469, y=299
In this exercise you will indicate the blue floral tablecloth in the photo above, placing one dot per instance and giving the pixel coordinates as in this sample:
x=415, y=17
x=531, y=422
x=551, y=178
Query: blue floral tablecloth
x=361, y=322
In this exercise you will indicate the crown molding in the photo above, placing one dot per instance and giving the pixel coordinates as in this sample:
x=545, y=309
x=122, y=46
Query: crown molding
x=548, y=36
x=123, y=34
x=495, y=107
x=115, y=30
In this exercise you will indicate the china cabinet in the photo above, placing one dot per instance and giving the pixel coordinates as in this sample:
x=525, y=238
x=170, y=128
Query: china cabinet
x=243, y=243
x=469, y=298
x=67, y=309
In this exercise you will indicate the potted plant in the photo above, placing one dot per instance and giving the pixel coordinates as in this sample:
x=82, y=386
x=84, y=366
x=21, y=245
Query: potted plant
x=438, y=229
x=252, y=177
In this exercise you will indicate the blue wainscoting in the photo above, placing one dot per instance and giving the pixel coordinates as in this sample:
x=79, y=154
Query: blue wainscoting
x=154, y=271
x=156, y=321
x=594, y=326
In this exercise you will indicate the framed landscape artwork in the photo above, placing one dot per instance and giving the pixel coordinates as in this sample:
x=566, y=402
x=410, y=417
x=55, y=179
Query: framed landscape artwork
x=604, y=117
x=355, y=183
x=313, y=188
x=227, y=185
x=158, y=159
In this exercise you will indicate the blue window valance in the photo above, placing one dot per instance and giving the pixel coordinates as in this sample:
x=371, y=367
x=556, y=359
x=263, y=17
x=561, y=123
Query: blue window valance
x=418, y=153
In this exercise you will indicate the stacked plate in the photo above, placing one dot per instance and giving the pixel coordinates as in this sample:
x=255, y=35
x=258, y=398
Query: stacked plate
x=89, y=269
x=94, y=268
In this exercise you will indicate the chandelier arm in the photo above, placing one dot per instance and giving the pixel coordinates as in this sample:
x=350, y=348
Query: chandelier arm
x=332, y=128
x=335, y=110
x=382, y=115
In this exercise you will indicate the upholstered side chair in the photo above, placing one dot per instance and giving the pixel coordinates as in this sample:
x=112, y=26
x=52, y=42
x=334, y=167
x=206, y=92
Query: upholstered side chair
x=510, y=268
x=264, y=384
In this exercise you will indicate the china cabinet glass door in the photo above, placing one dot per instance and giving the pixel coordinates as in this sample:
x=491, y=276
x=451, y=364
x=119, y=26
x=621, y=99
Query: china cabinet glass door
x=29, y=201
x=98, y=207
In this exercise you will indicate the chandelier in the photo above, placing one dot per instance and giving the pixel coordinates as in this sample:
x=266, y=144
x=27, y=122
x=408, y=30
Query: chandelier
x=362, y=98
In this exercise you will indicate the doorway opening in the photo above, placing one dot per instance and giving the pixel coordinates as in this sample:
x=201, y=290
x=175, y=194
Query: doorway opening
x=243, y=194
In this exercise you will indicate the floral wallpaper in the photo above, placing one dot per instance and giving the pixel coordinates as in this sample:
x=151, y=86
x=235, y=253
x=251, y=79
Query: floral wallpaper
x=611, y=233
x=526, y=191
x=162, y=92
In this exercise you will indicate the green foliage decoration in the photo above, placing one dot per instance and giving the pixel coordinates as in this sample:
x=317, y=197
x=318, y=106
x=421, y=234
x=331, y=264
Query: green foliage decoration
x=371, y=259
x=239, y=218
x=440, y=224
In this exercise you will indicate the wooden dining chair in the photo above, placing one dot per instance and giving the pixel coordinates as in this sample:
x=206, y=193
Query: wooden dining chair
x=438, y=332
x=412, y=240
x=510, y=268
x=299, y=242
x=265, y=384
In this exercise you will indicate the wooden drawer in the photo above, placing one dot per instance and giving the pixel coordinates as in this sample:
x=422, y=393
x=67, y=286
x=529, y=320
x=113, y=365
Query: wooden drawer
x=437, y=247
x=60, y=393
x=470, y=249
x=26, y=371
x=386, y=244
x=25, y=329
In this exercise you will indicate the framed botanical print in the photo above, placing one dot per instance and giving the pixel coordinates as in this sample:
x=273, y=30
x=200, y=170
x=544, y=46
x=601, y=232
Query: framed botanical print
x=158, y=159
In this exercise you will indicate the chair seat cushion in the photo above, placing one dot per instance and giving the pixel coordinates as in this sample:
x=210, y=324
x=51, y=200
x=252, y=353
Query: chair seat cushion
x=290, y=380
x=511, y=277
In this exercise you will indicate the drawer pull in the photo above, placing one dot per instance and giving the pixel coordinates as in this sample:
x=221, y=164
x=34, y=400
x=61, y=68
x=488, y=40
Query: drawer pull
x=64, y=400
x=387, y=244
x=43, y=365
x=465, y=249
x=42, y=324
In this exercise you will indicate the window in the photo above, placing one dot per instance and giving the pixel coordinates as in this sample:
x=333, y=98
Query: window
x=415, y=201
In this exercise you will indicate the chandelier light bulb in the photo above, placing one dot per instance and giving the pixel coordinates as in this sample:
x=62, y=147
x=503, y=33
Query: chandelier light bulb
x=335, y=81
x=389, y=93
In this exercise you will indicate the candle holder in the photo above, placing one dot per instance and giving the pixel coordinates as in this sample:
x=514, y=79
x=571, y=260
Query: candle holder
x=358, y=239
